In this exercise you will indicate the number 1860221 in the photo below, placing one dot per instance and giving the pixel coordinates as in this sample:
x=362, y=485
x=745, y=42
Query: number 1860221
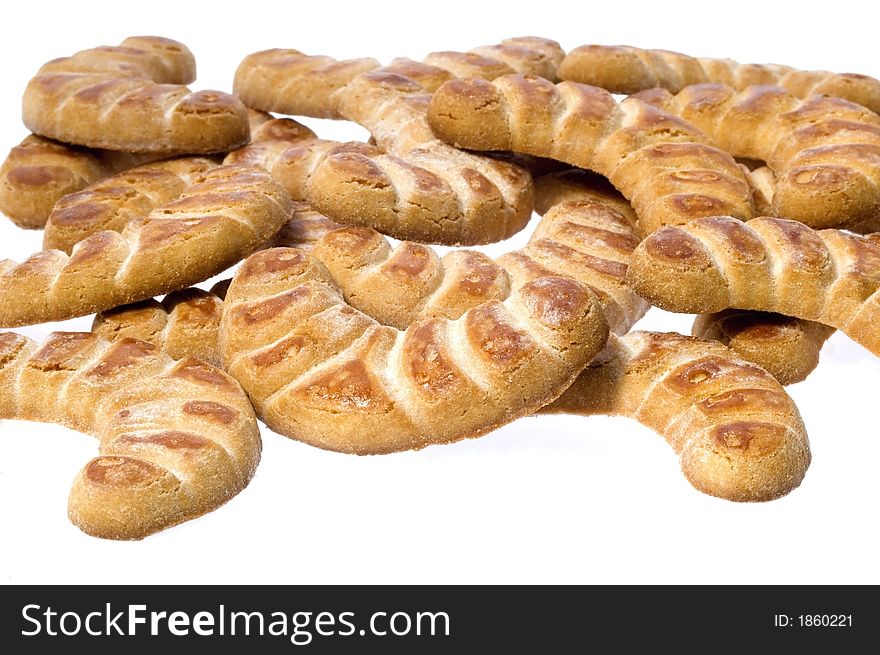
x=813, y=620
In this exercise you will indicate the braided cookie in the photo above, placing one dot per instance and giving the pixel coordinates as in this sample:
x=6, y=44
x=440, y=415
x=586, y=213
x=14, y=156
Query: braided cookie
x=588, y=232
x=738, y=435
x=767, y=264
x=177, y=439
x=825, y=152
x=667, y=168
x=132, y=98
x=420, y=189
x=786, y=347
x=624, y=69
x=320, y=371
x=38, y=172
x=226, y=214
x=293, y=163
x=288, y=81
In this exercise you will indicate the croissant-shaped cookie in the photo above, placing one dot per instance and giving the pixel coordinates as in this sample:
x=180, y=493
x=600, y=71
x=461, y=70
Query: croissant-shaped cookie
x=667, y=169
x=225, y=214
x=288, y=150
x=784, y=346
x=177, y=439
x=625, y=69
x=737, y=433
x=322, y=372
x=288, y=81
x=131, y=98
x=411, y=186
x=766, y=264
x=421, y=189
x=824, y=151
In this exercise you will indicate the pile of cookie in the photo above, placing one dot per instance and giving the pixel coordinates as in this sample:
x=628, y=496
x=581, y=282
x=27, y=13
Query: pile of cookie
x=744, y=194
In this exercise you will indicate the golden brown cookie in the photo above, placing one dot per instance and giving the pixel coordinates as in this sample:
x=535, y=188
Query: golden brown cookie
x=419, y=189
x=409, y=185
x=290, y=152
x=38, y=172
x=132, y=98
x=824, y=151
x=625, y=69
x=320, y=371
x=224, y=215
x=177, y=439
x=288, y=81
x=669, y=170
x=767, y=264
x=738, y=435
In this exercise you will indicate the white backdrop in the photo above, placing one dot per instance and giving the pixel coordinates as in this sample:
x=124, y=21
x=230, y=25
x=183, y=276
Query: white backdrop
x=556, y=499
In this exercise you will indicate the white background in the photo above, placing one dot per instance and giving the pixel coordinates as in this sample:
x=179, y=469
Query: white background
x=555, y=499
